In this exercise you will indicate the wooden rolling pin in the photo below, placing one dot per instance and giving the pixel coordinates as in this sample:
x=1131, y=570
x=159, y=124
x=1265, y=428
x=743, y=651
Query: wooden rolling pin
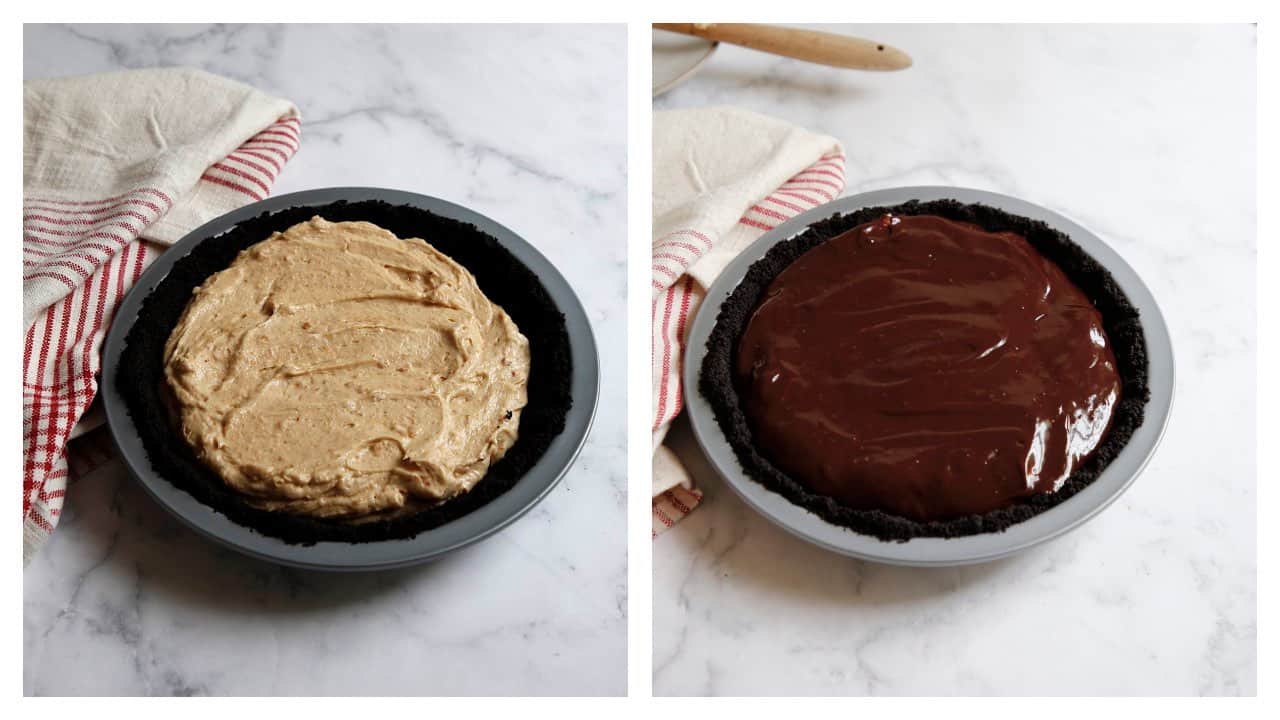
x=809, y=45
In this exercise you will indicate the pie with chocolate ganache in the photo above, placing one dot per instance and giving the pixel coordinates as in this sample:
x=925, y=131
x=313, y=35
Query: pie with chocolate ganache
x=928, y=369
x=331, y=374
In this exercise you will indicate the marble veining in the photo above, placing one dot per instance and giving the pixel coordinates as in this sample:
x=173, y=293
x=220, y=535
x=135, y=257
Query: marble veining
x=523, y=124
x=1144, y=134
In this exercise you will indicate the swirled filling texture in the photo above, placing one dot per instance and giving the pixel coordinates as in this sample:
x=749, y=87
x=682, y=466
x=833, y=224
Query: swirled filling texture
x=927, y=368
x=335, y=370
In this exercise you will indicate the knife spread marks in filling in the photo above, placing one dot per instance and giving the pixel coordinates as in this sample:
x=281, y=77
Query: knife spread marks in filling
x=337, y=371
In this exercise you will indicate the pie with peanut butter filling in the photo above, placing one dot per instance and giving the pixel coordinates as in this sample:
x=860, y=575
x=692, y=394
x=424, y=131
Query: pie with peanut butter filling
x=347, y=372
x=336, y=370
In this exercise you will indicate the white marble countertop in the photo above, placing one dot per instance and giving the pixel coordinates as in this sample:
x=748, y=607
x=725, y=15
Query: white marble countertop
x=1145, y=135
x=524, y=124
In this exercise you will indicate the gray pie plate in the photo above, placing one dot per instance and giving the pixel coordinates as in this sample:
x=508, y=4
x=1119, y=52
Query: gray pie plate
x=1069, y=514
x=481, y=523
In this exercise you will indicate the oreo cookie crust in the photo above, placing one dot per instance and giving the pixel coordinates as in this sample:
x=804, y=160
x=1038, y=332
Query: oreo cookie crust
x=1120, y=320
x=500, y=275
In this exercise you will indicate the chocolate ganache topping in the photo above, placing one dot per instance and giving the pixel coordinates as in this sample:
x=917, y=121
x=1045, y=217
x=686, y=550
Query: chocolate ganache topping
x=927, y=368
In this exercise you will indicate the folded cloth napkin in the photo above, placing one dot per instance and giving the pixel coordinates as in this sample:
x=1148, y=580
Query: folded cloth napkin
x=722, y=177
x=116, y=167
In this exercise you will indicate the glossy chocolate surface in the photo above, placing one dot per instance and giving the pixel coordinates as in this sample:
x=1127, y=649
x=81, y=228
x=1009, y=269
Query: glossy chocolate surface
x=927, y=368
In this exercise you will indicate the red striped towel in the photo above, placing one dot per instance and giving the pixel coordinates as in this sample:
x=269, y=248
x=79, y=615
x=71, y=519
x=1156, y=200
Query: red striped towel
x=116, y=167
x=722, y=178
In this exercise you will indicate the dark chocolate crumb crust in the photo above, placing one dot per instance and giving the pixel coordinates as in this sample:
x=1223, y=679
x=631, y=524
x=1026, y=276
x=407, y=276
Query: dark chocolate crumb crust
x=503, y=278
x=1120, y=320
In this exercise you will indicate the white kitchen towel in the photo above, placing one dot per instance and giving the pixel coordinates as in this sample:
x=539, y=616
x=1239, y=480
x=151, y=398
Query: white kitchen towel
x=115, y=167
x=722, y=177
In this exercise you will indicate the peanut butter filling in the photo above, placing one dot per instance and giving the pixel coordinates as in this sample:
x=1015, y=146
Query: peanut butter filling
x=335, y=370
